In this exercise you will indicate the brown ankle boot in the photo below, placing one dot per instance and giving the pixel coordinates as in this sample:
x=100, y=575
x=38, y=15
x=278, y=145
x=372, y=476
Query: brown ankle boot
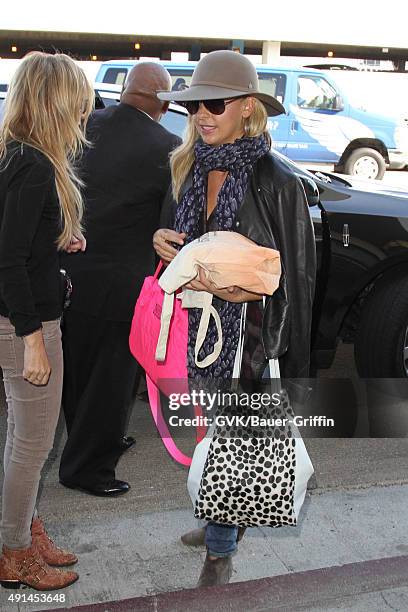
x=48, y=550
x=27, y=567
x=196, y=537
x=216, y=571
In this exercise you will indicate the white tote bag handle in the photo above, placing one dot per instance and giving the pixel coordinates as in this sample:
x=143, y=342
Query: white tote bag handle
x=273, y=365
x=208, y=311
x=190, y=299
x=240, y=348
x=303, y=465
x=166, y=314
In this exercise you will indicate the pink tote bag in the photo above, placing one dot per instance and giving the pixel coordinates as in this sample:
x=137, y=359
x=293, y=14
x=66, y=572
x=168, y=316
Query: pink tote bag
x=170, y=375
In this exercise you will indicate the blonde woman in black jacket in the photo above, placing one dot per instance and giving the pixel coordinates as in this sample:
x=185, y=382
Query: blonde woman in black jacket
x=225, y=178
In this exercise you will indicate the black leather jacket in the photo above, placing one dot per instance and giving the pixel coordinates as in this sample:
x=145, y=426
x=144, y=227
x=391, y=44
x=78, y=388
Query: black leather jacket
x=275, y=214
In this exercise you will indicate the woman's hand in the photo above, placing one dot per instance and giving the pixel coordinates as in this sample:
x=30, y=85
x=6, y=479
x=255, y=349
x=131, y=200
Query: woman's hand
x=78, y=243
x=162, y=243
x=237, y=295
x=229, y=294
x=37, y=368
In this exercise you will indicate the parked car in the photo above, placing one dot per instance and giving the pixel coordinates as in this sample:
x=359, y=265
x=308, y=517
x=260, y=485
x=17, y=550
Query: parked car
x=320, y=125
x=105, y=95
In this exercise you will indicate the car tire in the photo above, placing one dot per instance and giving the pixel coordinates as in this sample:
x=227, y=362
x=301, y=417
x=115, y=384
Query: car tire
x=365, y=163
x=333, y=398
x=381, y=343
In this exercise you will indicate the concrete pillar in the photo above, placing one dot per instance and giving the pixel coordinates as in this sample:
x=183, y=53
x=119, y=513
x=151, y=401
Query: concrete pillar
x=271, y=52
x=399, y=65
x=238, y=46
x=195, y=52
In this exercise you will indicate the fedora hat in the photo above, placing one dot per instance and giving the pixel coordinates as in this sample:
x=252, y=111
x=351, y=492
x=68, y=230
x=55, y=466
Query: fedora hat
x=224, y=75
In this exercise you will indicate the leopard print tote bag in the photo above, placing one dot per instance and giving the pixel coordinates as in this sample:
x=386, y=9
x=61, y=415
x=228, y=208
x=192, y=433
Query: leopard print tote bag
x=256, y=469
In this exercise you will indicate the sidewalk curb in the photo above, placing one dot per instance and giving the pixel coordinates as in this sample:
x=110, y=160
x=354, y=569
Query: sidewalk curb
x=286, y=592
x=316, y=490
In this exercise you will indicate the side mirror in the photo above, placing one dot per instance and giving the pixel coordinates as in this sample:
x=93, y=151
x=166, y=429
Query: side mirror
x=338, y=103
x=98, y=101
x=311, y=190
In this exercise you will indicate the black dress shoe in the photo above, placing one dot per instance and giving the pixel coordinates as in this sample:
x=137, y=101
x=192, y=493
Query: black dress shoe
x=104, y=489
x=143, y=396
x=127, y=442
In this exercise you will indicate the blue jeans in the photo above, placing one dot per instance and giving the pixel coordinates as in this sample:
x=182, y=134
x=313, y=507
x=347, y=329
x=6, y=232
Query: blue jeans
x=221, y=540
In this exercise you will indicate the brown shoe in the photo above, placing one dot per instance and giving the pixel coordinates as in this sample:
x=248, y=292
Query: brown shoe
x=27, y=567
x=196, y=537
x=51, y=554
x=214, y=572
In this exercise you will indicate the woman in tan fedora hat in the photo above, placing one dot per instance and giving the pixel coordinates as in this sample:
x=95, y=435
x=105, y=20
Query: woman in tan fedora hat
x=225, y=178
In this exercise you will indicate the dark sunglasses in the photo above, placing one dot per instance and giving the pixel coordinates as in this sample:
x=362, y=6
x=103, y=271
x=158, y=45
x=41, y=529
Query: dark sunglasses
x=215, y=107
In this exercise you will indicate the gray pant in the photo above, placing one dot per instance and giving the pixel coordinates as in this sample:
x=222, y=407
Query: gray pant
x=31, y=422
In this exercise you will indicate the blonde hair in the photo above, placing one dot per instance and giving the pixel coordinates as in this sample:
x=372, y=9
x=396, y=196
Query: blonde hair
x=182, y=158
x=47, y=106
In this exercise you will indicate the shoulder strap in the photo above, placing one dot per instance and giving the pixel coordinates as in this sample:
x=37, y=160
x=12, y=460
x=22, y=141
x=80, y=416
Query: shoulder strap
x=158, y=269
x=165, y=319
x=240, y=348
x=154, y=400
x=171, y=446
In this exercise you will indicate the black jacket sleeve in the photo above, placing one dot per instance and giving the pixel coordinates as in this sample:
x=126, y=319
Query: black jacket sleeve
x=23, y=208
x=298, y=252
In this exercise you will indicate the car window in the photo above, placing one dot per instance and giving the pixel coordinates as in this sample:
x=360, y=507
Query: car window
x=273, y=84
x=108, y=101
x=270, y=83
x=180, y=77
x=174, y=121
x=315, y=92
x=106, y=94
x=115, y=75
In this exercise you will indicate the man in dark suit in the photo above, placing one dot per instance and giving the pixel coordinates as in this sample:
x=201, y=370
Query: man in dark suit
x=126, y=174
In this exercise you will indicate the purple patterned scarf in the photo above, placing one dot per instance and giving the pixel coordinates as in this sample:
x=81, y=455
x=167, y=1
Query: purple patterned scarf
x=237, y=159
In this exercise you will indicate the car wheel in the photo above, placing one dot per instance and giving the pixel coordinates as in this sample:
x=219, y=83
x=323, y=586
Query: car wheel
x=333, y=398
x=365, y=163
x=381, y=343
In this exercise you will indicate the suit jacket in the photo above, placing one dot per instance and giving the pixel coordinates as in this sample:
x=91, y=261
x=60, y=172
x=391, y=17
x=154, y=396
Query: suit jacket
x=126, y=174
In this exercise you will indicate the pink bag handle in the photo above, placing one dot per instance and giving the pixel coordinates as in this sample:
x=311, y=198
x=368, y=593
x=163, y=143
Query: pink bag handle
x=173, y=450
x=159, y=267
